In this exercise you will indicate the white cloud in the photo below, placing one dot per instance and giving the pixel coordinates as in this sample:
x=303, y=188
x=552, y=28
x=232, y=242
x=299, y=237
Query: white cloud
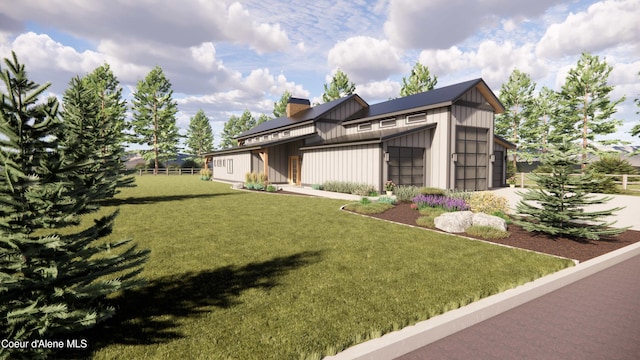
x=377, y=91
x=173, y=23
x=441, y=24
x=605, y=24
x=204, y=55
x=364, y=58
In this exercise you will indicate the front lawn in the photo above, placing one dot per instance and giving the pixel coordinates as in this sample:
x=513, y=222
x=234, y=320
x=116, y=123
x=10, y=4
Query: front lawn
x=245, y=275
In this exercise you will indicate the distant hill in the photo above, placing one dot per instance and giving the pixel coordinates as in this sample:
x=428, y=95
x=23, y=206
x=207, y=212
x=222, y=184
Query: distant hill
x=131, y=160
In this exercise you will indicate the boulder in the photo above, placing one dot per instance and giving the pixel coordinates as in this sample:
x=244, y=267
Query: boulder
x=454, y=222
x=482, y=219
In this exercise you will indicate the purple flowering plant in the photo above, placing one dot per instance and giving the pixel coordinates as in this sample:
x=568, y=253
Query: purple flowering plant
x=447, y=203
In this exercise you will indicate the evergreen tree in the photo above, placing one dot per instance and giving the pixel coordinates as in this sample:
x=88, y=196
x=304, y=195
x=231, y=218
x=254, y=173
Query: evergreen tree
x=50, y=284
x=536, y=128
x=419, y=81
x=556, y=207
x=262, y=118
x=339, y=87
x=154, y=122
x=235, y=126
x=280, y=107
x=112, y=116
x=517, y=97
x=586, y=104
x=199, y=136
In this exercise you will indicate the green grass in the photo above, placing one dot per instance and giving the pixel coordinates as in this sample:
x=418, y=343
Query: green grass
x=368, y=208
x=245, y=275
x=487, y=232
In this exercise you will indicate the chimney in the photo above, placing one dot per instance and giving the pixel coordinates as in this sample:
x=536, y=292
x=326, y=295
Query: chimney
x=296, y=105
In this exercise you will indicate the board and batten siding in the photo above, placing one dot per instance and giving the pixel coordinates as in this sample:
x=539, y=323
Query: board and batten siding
x=360, y=163
x=241, y=164
x=438, y=154
x=343, y=111
x=329, y=130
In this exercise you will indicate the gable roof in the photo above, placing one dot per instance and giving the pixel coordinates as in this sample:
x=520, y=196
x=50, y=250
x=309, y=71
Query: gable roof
x=308, y=115
x=443, y=96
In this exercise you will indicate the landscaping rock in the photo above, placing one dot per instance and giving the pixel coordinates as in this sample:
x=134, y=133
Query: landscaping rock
x=454, y=222
x=482, y=219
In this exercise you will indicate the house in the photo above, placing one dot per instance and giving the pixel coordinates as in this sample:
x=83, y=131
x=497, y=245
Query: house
x=440, y=138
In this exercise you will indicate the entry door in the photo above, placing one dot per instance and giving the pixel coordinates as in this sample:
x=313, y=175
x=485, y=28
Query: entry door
x=294, y=170
x=498, y=169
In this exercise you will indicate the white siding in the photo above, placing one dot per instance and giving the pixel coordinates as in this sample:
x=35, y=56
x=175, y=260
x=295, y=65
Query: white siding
x=279, y=134
x=241, y=164
x=438, y=154
x=359, y=163
x=431, y=116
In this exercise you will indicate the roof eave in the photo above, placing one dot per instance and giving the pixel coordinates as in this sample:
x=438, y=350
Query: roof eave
x=399, y=112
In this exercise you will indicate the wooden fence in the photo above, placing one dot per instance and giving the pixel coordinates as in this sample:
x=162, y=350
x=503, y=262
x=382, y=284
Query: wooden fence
x=522, y=180
x=170, y=171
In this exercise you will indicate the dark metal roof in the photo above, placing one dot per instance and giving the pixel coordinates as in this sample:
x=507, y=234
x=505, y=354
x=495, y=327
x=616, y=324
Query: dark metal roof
x=506, y=143
x=442, y=96
x=258, y=146
x=371, y=136
x=310, y=114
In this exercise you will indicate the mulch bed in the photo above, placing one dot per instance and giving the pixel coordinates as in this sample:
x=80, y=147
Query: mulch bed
x=520, y=238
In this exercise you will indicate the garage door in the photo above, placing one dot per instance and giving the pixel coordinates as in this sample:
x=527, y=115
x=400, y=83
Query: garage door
x=406, y=165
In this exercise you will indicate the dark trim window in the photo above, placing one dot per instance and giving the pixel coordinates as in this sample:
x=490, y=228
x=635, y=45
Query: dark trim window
x=387, y=123
x=230, y=166
x=417, y=118
x=286, y=133
x=364, y=126
x=406, y=165
x=472, y=149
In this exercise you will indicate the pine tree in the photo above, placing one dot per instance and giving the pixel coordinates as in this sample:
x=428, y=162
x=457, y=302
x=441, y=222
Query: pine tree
x=235, y=126
x=536, y=128
x=419, y=81
x=280, y=107
x=154, y=122
x=199, y=136
x=586, y=104
x=112, y=117
x=517, y=97
x=50, y=284
x=339, y=87
x=562, y=198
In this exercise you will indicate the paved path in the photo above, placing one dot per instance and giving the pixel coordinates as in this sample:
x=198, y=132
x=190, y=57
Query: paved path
x=597, y=317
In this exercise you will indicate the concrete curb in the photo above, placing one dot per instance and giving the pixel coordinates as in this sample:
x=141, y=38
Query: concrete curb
x=404, y=341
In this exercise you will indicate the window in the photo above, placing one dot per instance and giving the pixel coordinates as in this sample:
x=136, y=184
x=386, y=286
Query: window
x=406, y=165
x=418, y=118
x=364, y=126
x=472, y=149
x=286, y=133
x=274, y=135
x=230, y=166
x=265, y=137
x=387, y=123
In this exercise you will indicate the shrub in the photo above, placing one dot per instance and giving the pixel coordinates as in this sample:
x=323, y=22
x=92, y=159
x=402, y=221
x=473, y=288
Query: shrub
x=316, y=187
x=271, y=188
x=339, y=186
x=428, y=217
x=205, y=174
x=447, y=203
x=363, y=190
x=406, y=193
x=459, y=194
x=387, y=200
x=365, y=201
x=488, y=202
x=258, y=186
x=600, y=184
x=247, y=178
x=487, y=232
x=431, y=191
x=502, y=215
x=189, y=163
x=612, y=164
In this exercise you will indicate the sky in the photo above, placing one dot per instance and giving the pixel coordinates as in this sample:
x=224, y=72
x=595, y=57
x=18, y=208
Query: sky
x=227, y=56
